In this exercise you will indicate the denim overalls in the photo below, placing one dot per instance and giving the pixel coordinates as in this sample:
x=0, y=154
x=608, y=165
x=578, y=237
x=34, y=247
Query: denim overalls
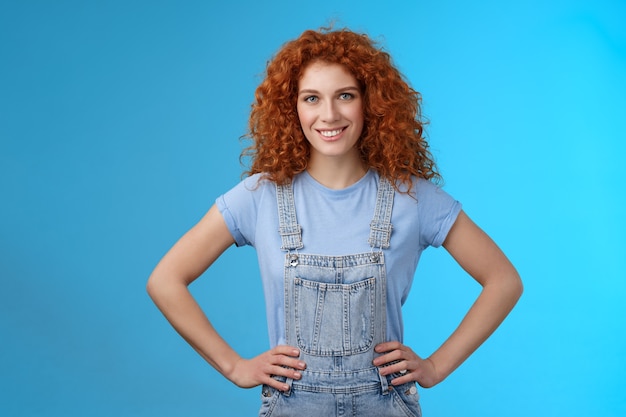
x=335, y=308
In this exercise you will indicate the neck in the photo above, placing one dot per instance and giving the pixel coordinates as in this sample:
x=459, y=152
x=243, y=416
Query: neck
x=336, y=173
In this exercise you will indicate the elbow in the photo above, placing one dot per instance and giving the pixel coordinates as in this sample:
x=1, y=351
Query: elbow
x=162, y=285
x=507, y=286
x=520, y=287
x=151, y=287
x=515, y=287
x=155, y=287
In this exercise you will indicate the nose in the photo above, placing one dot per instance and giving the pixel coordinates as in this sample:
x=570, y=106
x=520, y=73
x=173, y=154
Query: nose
x=329, y=112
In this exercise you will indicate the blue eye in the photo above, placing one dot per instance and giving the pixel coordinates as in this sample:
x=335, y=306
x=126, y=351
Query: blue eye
x=346, y=96
x=311, y=99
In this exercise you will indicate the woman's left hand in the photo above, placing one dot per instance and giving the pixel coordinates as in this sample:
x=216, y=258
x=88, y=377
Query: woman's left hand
x=400, y=359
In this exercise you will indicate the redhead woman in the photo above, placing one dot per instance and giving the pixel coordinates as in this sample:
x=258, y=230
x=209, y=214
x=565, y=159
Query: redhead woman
x=340, y=201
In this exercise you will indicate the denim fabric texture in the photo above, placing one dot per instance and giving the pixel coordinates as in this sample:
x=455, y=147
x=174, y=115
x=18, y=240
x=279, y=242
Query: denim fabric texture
x=335, y=313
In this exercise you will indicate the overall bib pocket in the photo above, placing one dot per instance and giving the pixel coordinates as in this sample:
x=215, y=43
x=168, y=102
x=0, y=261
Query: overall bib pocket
x=334, y=319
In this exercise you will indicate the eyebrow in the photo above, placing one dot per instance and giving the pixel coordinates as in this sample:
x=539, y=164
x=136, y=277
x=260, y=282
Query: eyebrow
x=341, y=90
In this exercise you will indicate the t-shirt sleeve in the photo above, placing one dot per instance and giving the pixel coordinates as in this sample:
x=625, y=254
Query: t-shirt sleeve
x=437, y=211
x=238, y=208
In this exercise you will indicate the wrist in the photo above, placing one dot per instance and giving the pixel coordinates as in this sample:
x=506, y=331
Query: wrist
x=435, y=376
x=229, y=366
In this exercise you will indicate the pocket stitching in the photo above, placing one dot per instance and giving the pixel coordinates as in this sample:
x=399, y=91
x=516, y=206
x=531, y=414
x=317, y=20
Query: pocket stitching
x=368, y=285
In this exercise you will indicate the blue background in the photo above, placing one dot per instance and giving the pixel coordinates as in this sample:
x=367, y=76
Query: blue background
x=120, y=125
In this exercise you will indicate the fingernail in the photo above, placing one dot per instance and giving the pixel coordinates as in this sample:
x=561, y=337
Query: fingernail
x=295, y=352
x=301, y=365
x=297, y=375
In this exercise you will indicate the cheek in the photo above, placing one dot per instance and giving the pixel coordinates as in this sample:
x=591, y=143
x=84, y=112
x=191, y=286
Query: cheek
x=357, y=117
x=304, y=118
x=300, y=115
x=356, y=110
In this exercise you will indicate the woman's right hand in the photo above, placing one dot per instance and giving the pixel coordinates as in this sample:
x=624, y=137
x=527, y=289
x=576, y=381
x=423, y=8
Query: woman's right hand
x=279, y=361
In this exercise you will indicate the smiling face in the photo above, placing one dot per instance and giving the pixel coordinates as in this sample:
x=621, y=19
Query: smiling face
x=330, y=109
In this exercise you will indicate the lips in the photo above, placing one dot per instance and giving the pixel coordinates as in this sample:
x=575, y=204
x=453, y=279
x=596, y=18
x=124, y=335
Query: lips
x=329, y=134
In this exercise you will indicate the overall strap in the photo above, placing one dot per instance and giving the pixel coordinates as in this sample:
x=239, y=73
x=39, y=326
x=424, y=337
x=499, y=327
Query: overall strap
x=289, y=229
x=380, y=227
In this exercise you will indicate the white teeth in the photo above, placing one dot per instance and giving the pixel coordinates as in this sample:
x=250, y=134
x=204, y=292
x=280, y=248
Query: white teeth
x=330, y=133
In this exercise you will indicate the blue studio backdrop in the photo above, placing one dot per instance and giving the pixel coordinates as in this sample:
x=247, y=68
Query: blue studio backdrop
x=120, y=124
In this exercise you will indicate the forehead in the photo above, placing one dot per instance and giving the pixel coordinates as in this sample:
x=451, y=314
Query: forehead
x=323, y=74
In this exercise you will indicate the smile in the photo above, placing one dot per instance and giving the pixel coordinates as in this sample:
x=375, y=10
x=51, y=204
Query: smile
x=330, y=133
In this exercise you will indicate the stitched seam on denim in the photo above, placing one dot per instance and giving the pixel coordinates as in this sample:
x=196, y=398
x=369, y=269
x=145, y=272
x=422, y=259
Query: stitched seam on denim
x=288, y=227
x=381, y=227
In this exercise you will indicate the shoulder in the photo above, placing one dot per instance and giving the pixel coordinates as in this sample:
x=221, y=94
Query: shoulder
x=421, y=189
x=243, y=205
x=431, y=208
x=250, y=187
x=246, y=196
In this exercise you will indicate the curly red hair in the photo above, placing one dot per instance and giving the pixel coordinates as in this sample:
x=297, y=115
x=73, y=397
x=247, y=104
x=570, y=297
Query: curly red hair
x=392, y=141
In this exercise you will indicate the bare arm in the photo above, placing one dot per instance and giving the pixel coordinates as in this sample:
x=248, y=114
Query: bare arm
x=477, y=254
x=168, y=287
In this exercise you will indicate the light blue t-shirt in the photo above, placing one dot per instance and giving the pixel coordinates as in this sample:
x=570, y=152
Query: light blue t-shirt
x=337, y=222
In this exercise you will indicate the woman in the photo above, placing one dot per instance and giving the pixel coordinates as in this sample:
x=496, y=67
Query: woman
x=339, y=205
